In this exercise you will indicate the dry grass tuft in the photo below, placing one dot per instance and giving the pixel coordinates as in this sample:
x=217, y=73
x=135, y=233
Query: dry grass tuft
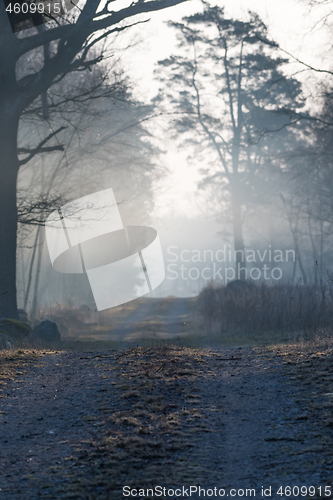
x=14, y=363
x=310, y=365
x=154, y=424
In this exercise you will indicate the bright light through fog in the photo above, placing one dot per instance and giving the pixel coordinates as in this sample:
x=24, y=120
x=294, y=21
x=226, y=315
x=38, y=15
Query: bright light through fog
x=289, y=23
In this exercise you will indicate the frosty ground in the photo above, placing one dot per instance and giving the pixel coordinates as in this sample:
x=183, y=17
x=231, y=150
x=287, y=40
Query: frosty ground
x=86, y=424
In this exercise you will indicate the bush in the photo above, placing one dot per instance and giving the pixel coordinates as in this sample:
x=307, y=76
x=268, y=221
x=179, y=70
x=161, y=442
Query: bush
x=269, y=308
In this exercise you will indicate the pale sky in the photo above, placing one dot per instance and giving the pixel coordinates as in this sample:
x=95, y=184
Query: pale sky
x=289, y=23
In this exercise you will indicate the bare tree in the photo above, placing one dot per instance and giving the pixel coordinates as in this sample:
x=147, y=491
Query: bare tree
x=229, y=95
x=72, y=40
x=109, y=146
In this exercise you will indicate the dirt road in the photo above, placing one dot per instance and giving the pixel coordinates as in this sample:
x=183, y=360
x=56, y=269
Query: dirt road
x=153, y=319
x=82, y=425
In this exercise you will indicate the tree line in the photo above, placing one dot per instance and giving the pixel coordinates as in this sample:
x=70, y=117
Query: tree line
x=69, y=119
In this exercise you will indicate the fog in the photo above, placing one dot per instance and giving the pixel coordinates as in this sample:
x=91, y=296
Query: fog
x=270, y=213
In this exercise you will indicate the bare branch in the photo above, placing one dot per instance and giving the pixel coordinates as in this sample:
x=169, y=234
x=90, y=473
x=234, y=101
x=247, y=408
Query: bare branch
x=202, y=123
x=40, y=148
x=92, y=26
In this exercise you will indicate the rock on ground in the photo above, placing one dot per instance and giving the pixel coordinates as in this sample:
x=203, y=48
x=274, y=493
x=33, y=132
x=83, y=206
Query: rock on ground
x=46, y=331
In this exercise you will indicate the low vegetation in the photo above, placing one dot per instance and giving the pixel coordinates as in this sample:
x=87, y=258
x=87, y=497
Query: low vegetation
x=14, y=363
x=301, y=310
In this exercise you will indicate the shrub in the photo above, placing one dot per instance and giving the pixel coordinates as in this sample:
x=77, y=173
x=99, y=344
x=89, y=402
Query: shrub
x=287, y=308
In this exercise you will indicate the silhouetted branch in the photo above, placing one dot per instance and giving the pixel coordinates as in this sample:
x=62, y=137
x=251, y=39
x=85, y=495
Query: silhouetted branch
x=40, y=148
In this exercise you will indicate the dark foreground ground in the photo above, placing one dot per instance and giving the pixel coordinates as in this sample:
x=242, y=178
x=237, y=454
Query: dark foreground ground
x=84, y=425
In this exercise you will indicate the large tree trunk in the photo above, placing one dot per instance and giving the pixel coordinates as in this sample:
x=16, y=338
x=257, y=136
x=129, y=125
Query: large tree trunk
x=8, y=211
x=9, y=166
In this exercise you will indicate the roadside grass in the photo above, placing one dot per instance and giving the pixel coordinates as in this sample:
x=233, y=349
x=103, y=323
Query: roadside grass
x=85, y=320
x=279, y=310
x=243, y=337
x=309, y=366
x=86, y=323
x=14, y=363
x=195, y=337
x=260, y=315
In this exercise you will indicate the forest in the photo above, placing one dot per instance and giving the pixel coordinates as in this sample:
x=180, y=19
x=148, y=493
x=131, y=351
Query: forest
x=166, y=221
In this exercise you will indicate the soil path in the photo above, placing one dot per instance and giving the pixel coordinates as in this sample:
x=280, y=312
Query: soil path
x=163, y=318
x=259, y=433
x=266, y=434
x=44, y=416
x=141, y=314
x=177, y=317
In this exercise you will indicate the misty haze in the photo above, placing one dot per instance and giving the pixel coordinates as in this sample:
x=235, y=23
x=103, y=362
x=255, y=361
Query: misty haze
x=166, y=273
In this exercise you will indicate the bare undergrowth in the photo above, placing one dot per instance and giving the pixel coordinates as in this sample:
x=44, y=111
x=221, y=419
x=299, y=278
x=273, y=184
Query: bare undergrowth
x=301, y=309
